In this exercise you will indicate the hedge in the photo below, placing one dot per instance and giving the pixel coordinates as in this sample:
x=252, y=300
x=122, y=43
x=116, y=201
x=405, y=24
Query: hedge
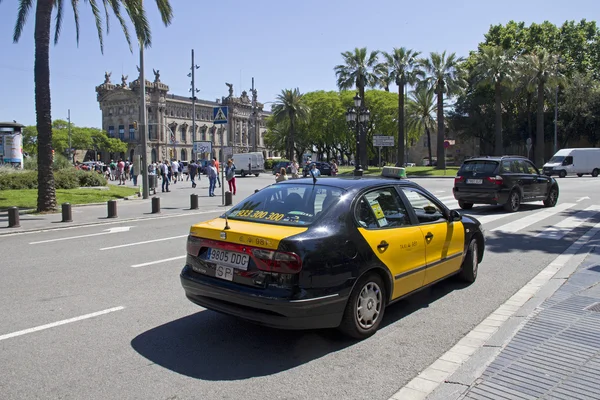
x=270, y=163
x=63, y=179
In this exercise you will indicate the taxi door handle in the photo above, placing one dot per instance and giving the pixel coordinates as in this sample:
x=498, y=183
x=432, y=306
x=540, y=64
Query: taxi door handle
x=429, y=236
x=383, y=245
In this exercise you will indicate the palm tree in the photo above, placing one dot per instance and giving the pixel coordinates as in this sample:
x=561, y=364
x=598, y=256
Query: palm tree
x=419, y=112
x=43, y=17
x=358, y=71
x=495, y=67
x=403, y=69
x=290, y=106
x=445, y=78
x=384, y=78
x=541, y=69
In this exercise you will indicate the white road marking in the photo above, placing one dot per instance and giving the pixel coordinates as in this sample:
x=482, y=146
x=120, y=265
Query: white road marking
x=485, y=219
x=565, y=226
x=145, y=242
x=583, y=198
x=531, y=219
x=108, y=231
x=444, y=367
x=58, y=323
x=444, y=198
x=158, y=261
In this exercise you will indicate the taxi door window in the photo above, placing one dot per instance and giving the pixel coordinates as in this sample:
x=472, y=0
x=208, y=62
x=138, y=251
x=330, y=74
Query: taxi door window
x=382, y=208
x=426, y=210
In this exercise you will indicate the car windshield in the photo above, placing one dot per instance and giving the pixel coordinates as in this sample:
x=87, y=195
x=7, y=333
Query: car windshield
x=286, y=204
x=480, y=166
x=557, y=159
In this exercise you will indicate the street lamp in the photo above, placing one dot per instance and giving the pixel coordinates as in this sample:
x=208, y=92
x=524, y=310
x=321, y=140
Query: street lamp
x=357, y=118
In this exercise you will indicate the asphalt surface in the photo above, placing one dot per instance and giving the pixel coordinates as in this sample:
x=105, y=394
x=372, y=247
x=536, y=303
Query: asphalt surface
x=152, y=343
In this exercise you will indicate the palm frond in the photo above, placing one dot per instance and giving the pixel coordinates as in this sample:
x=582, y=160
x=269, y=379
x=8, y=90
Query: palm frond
x=75, y=6
x=116, y=8
x=58, y=22
x=98, y=21
x=137, y=14
x=24, y=8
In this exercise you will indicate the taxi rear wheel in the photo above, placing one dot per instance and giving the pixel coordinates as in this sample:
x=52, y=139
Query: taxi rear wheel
x=365, y=308
x=470, y=266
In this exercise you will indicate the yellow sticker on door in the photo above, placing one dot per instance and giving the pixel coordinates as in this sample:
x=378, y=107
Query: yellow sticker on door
x=379, y=215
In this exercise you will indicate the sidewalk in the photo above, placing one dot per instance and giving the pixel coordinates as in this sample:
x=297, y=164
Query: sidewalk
x=175, y=202
x=555, y=353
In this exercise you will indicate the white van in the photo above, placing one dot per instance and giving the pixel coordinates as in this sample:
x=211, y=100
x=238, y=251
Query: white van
x=574, y=161
x=249, y=163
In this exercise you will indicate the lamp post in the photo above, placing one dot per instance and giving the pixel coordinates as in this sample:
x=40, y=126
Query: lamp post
x=357, y=118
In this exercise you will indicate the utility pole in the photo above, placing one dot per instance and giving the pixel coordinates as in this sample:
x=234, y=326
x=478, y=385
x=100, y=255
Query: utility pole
x=556, y=120
x=71, y=156
x=254, y=117
x=143, y=125
x=194, y=91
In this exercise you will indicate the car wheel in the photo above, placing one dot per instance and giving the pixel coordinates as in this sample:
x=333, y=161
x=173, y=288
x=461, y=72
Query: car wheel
x=580, y=175
x=595, y=172
x=243, y=174
x=470, y=265
x=514, y=201
x=552, y=198
x=365, y=308
x=464, y=205
x=562, y=173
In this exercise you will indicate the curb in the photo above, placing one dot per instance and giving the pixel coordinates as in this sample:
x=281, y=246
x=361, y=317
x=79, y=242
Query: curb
x=435, y=378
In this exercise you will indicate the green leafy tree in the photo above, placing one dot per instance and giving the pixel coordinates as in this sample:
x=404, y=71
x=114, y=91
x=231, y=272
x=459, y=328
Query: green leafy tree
x=540, y=70
x=43, y=17
x=30, y=140
x=403, y=69
x=496, y=68
x=290, y=106
x=326, y=129
x=420, y=111
x=580, y=112
x=444, y=76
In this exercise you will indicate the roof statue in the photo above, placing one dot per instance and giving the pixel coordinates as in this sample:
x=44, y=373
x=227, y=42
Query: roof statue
x=107, y=77
x=230, y=86
x=156, y=75
x=124, y=80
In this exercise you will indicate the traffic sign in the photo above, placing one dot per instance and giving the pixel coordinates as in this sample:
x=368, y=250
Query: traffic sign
x=446, y=144
x=383, y=141
x=202, y=147
x=220, y=115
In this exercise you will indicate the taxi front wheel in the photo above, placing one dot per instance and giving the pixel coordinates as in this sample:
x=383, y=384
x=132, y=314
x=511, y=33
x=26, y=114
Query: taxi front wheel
x=470, y=266
x=365, y=307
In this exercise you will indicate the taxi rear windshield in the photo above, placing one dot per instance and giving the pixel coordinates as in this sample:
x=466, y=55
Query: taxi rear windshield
x=480, y=166
x=298, y=205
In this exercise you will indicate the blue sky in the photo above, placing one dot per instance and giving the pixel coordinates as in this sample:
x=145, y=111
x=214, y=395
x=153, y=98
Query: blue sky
x=281, y=44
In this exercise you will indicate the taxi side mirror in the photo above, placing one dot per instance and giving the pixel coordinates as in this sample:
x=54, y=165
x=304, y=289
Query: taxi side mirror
x=455, y=216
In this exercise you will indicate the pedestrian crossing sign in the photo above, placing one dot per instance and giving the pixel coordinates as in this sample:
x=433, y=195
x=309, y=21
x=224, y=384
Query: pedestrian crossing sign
x=220, y=115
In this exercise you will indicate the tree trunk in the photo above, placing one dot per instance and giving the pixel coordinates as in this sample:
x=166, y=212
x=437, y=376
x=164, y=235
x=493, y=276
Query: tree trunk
x=46, y=200
x=529, y=123
x=363, y=134
x=499, y=148
x=539, y=136
x=429, y=144
x=441, y=156
x=400, y=146
x=290, y=152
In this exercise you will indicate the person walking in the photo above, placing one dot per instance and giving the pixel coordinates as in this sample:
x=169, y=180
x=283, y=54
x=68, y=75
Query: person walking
x=282, y=175
x=192, y=170
x=180, y=170
x=294, y=167
x=211, y=173
x=218, y=171
x=113, y=168
x=174, y=170
x=314, y=172
x=230, y=175
x=121, y=172
x=164, y=173
x=334, y=168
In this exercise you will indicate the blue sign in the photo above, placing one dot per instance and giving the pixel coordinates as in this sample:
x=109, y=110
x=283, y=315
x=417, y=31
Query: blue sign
x=220, y=115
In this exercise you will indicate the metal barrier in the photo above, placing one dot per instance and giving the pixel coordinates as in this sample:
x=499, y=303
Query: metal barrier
x=193, y=201
x=13, y=217
x=112, y=209
x=67, y=215
x=155, y=205
x=228, y=198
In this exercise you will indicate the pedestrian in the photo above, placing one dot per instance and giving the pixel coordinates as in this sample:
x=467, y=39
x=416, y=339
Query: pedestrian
x=218, y=171
x=294, y=167
x=180, y=170
x=282, y=175
x=133, y=174
x=230, y=175
x=121, y=172
x=314, y=172
x=211, y=173
x=164, y=172
x=334, y=168
x=192, y=170
x=174, y=170
x=113, y=168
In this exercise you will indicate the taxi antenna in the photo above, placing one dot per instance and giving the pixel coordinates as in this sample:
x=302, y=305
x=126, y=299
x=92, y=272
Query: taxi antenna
x=226, y=222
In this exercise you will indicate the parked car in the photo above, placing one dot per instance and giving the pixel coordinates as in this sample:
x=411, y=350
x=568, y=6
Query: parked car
x=282, y=164
x=574, y=162
x=324, y=167
x=507, y=181
x=333, y=253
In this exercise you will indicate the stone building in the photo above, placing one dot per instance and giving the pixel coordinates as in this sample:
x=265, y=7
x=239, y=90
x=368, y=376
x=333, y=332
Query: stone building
x=170, y=132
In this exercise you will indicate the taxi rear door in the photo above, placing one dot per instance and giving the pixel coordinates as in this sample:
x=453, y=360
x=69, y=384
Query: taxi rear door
x=386, y=225
x=444, y=239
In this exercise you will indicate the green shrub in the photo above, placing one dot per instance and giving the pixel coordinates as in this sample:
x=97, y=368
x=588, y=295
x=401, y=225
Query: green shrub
x=90, y=178
x=66, y=179
x=270, y=163
x=30, y=163
x=18, y=180
x=60, y=162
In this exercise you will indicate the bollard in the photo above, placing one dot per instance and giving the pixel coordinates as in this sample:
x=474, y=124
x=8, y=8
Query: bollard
x=228, y=198
x=112, y=209
x=66, y=212
x=13, y=217
x=193, y=201
x=155, y=205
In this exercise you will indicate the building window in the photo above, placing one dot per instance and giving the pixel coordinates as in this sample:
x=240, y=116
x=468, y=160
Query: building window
x=151, y=132
x=183, y=154
x=131, y=132
x=111, y=131
x=122, y=132
x=183, y=135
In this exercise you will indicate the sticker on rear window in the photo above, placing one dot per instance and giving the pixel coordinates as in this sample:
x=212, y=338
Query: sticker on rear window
x=379, y=215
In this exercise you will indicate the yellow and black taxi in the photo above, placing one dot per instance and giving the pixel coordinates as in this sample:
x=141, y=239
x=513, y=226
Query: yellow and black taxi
x=303, y=254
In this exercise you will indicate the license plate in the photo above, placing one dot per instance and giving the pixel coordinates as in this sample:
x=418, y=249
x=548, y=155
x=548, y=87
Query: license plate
x=224, y=272
x=228, y=258
x=475, y=181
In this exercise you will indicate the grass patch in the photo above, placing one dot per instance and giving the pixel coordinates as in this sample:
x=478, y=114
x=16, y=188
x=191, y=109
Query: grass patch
x=349, y=170
x=27, y=198
x=410, y=171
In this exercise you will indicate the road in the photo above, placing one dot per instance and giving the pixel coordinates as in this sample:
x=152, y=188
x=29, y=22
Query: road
x=98, y=312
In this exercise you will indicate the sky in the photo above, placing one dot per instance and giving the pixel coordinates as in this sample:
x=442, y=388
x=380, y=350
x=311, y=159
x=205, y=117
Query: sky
x=282, y=44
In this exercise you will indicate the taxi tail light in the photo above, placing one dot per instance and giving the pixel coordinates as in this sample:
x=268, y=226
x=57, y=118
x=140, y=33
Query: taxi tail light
x=193, y=245
x=277, y=261
x=496, y=180
x=459, y=179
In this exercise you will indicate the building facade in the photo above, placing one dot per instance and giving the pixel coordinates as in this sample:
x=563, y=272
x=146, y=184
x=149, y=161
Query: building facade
x=170, y=132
